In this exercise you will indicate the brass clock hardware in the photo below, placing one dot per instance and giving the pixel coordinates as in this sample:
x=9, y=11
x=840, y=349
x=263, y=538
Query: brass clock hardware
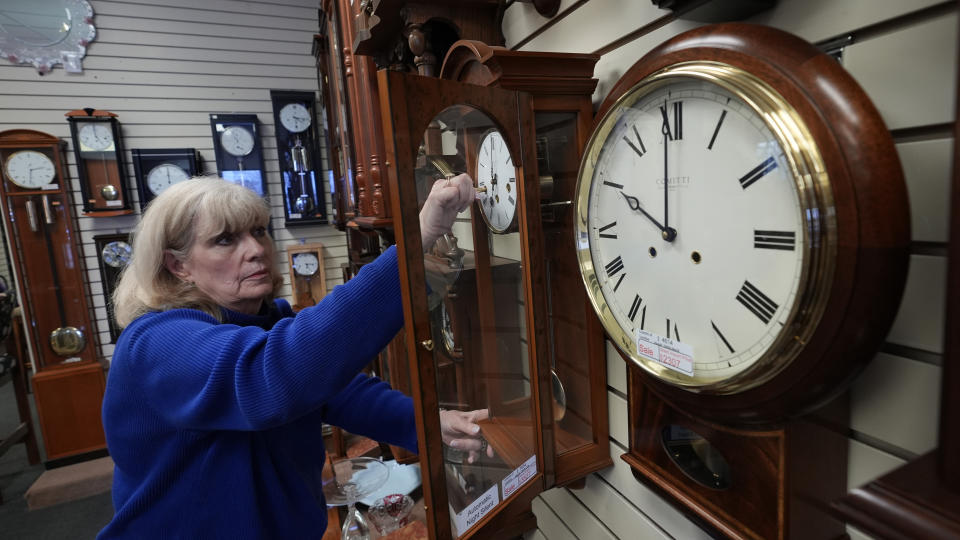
x=427, y=344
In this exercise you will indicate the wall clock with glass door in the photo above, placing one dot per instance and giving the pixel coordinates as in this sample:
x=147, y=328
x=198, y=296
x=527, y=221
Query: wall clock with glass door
x=505, y=346
x=742, y=228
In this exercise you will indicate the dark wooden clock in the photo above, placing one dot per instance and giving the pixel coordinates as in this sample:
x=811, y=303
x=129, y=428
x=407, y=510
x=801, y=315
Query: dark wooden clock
x=239, y=152
x=743, y=229
x=157, y=169
x=113, y=255
x=295, y=128
x=507, y=320
x=98, y=148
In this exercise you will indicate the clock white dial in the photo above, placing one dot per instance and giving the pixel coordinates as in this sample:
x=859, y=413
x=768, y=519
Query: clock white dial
x=694, y=228
x=295, y=117
x=95, y=136
x=306, y=264
x=116, y=254
x=498, y=177
x=237, y=141
x=165, y=175
x=29, y=169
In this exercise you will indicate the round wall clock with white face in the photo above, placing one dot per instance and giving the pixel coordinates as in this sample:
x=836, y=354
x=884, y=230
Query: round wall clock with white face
x=165, y=175
x=305, y=264
x=295, y=117
x=95, y=136
x=738, y=237
x=237, y=141
x=29, y=169
x=497, y=182
x=697, y=229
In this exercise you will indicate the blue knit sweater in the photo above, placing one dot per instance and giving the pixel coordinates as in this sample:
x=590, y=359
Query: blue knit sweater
x=215, y=429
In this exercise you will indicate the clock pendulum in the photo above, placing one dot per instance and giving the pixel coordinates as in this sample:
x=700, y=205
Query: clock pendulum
x=298, y=153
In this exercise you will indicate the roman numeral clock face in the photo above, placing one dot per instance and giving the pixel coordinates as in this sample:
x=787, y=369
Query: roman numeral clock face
x=692, y=230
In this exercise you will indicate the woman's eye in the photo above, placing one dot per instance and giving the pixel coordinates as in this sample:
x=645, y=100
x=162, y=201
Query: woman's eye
x=224, y=239
x=259, y=231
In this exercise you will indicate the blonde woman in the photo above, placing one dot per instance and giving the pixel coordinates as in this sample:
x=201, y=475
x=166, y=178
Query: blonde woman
x=217, y=390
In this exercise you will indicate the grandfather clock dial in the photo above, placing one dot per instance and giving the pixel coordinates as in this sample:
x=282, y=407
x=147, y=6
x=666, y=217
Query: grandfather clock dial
x=29, y=169
x=497, y=182
x=696, y=229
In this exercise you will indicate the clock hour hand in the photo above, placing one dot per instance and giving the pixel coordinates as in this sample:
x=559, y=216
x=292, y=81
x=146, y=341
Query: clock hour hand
x=667, y=233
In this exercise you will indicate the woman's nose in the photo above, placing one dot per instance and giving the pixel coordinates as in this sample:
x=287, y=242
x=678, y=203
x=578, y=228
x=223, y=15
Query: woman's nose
x=253, y=247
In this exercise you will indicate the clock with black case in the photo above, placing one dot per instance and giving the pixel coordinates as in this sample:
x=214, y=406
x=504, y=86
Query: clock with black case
x=236, y=143
x=157, y=169
x=98, y=150
x=295, y=127
x=113, y=255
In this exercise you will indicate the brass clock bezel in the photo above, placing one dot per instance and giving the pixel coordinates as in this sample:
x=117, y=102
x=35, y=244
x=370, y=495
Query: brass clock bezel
x=816, y=200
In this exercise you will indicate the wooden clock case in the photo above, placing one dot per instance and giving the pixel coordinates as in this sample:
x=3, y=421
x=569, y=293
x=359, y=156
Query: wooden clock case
x=785, y=462
x=410, y=104
x=307, y=291
x=100, y=169
x=560, y=86
x=41, y=233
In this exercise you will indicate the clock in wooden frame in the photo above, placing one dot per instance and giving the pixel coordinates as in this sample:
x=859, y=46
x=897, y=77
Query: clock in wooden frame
x=44, y=246
x=560, y=86
x=98, y=149
x=307, y=274
x=239, y=151
x=743, y=233
x=295, y=128
x=156, y=169
x=113, y=255
x=510, y=323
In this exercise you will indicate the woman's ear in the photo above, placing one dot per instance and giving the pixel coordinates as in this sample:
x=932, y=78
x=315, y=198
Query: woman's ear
x=175, y=266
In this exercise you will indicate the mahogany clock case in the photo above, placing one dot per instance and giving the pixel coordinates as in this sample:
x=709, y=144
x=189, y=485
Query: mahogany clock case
x=302, y=176
x=241, y=161
x=98, y=149
x=148, y=161
x=868, y=197
x=410, y=104
x=44, y=246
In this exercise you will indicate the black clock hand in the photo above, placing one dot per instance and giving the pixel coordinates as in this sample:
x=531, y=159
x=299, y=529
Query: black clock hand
x=665, y=129
x=668, y=234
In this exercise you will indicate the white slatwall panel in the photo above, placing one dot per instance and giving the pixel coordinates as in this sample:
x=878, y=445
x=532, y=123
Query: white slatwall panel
x=895, y=402
x=164, y=67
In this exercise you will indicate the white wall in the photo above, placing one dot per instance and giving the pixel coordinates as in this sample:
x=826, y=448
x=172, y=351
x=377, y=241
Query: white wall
x=907, y=64
x=163, y=67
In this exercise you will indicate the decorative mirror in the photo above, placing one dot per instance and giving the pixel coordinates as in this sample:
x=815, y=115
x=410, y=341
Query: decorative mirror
x=46, y=33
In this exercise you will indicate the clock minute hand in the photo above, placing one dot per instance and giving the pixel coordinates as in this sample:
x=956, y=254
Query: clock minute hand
x=667, y=233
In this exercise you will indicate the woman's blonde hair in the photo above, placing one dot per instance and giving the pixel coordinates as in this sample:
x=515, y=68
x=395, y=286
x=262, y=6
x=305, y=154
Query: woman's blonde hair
x=170, y=224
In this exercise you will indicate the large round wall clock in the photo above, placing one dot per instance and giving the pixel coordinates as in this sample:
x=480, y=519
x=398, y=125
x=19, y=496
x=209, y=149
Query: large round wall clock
x=742, y=230
x=742, y=221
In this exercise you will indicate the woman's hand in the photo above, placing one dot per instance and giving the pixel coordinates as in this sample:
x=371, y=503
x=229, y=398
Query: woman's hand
x=447, y=198
x=460, y=432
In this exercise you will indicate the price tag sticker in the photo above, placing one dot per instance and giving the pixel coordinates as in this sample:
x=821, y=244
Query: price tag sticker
x=665, y=351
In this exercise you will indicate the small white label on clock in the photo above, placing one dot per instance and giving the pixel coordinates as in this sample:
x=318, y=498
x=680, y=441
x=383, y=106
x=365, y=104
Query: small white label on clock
x=665, y=351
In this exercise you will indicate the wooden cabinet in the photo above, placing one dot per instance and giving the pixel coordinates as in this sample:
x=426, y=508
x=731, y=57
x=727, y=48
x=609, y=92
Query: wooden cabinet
x=68, y=405
x=560, y=86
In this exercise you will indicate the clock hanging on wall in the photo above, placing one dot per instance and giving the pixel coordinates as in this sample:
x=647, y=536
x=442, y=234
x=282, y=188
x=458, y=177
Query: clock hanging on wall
x=157, y=169
x=98, y=149
x=113, y=255
x=236, y=143
x=742, y=230
x=307, y=274
x=295, y=128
